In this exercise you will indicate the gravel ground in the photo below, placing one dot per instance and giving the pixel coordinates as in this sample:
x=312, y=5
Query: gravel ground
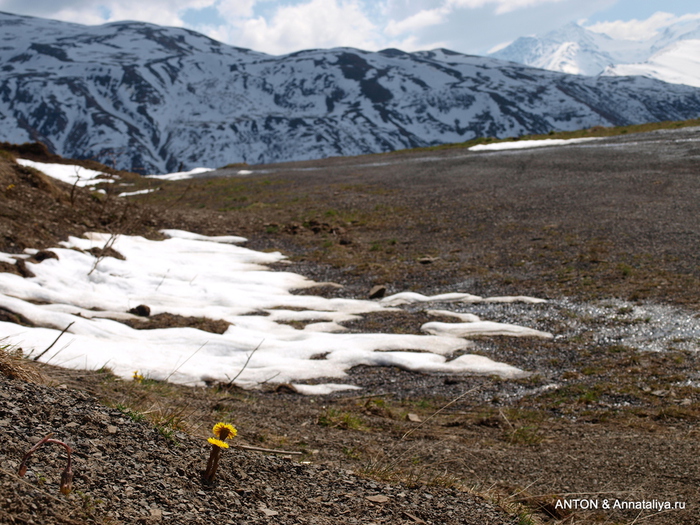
x=606, y=231
x=128, y=472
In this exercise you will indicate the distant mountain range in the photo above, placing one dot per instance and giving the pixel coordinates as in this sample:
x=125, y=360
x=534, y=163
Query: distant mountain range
x=673, y=55
x=161, y=99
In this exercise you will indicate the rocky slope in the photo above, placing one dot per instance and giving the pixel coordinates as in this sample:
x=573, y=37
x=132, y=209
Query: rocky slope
x=126, y=471
x=157, y=99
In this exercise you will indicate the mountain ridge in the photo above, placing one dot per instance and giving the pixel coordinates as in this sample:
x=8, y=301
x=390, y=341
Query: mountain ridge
x=668, y=56
x=157, y=99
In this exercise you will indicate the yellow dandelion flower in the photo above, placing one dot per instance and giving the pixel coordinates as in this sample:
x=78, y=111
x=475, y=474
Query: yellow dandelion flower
x=230, y=430
x=218, y=442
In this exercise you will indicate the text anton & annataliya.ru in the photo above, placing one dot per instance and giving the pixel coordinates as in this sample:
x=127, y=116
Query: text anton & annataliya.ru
x=592, y=504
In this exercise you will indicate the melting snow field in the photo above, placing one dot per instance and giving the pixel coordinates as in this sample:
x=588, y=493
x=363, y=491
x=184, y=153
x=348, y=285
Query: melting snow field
x=197, y=276
x=68, y=173
x=181, y=175
x=525, y=144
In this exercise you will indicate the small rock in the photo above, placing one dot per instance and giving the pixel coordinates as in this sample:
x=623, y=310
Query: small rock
x=268, y=512
x=428, y=260
x=141, y=310
x=414, y=418
x=111, y=429
x=415, y=519
x=293, y=228
x=377, y=292
x=43, y=255
x=377, y=499
x=285, y=388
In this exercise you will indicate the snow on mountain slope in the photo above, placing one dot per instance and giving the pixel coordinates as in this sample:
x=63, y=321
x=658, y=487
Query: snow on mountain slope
x=671, y=56
x=572, y=49
x=160, y=99
x=678, y=63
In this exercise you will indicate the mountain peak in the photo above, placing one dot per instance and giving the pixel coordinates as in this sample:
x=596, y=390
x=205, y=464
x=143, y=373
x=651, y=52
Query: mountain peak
x=575, y=49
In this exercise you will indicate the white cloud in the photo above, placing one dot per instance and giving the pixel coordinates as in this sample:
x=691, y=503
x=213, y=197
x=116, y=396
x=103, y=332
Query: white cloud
x=412, y=43
x=640, y=29
x=426, y=18
x=315, y=24
x=284, y=26
x=506, y=6
x=88, y=17
x=163, y=12
x=234, y=9
x=502, y=6
x=420, y=20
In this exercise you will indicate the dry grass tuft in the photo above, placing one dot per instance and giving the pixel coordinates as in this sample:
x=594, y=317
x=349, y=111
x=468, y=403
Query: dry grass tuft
x=15, y=366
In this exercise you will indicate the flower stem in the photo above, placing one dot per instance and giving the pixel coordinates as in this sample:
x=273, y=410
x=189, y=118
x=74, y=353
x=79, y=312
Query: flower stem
x=66, y=476
x=212, y=465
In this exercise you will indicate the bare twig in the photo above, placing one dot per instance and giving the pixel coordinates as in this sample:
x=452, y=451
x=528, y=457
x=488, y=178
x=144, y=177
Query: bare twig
x=55, y=341
x=163, y=279
x=640, y=517
x=500, y=411
x=269, y=450
x=110, y=242
x=59, y=351
x=269, y=378
x=190, y=357
x=230, y=383
x=182, y=196
x=74, y=186
x=436, y=413
x=392, y=463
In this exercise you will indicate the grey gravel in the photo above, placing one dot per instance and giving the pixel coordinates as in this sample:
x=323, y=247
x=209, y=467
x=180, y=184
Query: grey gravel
x=128, y=472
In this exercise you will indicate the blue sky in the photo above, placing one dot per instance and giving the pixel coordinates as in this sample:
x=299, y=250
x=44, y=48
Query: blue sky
x=285, y=26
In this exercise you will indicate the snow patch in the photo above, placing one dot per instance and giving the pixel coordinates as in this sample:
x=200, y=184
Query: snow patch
x=524, y=144
x=181, y=175
x=139, y=192
x=67, y=173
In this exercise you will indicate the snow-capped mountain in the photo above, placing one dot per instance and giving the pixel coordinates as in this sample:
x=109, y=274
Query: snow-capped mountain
x=159, y=99
x=672, y=55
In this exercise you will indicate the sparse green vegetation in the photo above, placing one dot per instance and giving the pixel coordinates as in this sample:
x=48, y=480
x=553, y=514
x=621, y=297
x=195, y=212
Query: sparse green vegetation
x=134, y=416
x=596, y=131
x=336, y=419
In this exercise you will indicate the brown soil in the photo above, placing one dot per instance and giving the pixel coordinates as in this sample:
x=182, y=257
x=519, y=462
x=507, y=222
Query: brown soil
x=612, y=223
x=166, y=320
